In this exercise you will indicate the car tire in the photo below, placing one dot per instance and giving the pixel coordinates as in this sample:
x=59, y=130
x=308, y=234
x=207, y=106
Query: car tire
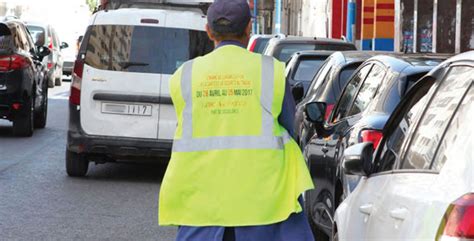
x=50, y=83
x=58, y=81
x=23, y=123
x=309, y=210
x=42, y=114
x=76, y=164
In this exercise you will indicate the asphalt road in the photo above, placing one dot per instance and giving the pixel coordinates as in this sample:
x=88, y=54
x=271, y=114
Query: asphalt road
x=38, y=201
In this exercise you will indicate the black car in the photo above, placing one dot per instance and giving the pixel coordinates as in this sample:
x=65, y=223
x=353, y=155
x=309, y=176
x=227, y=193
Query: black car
x=283, y=48
x=326, y=87
x=360, y=114
x=23, y=89
x=303, y=66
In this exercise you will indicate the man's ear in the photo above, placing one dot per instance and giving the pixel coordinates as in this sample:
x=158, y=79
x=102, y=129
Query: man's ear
x=209, y=33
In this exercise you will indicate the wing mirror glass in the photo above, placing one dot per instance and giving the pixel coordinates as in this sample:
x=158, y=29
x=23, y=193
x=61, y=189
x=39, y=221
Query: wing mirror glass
x=298, y=92
x=315, y=112
x=357, y=159
x=64, y=45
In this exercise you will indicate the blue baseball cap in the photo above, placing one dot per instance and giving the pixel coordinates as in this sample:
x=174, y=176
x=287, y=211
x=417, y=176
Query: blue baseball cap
x=236, y=12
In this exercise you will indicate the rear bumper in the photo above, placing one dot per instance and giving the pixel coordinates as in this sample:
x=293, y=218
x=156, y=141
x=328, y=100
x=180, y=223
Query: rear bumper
x=67, y=67
x=114, y=147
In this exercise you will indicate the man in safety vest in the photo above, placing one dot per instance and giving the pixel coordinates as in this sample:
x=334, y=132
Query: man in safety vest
x=235, y=172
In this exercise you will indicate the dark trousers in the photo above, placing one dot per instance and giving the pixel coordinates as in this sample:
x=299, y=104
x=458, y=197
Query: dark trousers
x=229, y=234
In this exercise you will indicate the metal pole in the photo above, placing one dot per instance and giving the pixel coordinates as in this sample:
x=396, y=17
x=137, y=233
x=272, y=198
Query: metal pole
x=457, y=47
x=255, y=15
x=351, y=20
x=277, y=16
x=398, y=29
x=435, y=27
x=415, y=27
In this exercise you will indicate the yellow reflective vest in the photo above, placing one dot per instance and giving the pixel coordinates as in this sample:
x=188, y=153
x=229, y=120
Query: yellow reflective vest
x=232, y=163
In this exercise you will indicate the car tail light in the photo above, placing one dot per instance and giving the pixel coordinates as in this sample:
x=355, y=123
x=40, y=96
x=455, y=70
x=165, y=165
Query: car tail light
x=252, y=46
x=329, y=108
x=75, y=96
x=50, y=46
x=458, y=221
x=50, y=65
x=373, y=136
x=13, y=62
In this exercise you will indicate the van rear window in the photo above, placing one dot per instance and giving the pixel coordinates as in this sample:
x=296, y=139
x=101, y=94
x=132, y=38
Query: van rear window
x=143, y=49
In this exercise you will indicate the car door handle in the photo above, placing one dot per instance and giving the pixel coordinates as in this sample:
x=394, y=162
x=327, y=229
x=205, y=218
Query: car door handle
x=366, y=209
x=399, y=213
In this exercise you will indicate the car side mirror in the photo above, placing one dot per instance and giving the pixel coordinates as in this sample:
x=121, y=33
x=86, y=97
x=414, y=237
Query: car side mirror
x=314, y=112
x=64, y=45
x=43, y=52
x=298, y=92
x=357, y=159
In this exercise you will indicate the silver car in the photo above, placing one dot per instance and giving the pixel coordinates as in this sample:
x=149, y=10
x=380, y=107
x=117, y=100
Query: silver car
x=45, y=35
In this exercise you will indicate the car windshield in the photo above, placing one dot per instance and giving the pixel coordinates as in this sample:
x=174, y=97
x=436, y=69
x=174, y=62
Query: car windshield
x=38, y=34
x=307, y=69
x=143, y=49
x=286, y=50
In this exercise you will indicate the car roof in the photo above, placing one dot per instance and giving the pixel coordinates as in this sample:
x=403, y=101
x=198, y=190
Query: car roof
x=321, y=53
x=38, y=24
x=410, y=63
x=186, y=18
x=297, y=39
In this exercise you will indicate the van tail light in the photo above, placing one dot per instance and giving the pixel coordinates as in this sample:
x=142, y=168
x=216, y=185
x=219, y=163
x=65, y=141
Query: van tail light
x=13, y=62
x=373, y=136
x=75, y=95
x=252, y=46
x=458, y=221
x=329, y=108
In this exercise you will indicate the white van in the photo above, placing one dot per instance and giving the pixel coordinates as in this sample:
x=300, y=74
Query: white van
x=120, y=107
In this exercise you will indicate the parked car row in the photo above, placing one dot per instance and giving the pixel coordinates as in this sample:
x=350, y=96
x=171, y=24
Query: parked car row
x=364, y=145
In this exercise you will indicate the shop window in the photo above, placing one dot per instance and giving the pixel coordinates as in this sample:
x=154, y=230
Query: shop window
x=467, y=26
x=446, y=26
x=407, y=20
x=425, y=26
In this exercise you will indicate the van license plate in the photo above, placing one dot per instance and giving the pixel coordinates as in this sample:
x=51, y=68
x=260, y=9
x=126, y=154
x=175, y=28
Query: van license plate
x=126, y=109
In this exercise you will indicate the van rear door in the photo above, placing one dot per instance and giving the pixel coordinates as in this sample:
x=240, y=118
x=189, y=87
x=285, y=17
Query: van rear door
x=120, y=91
x=124, y=91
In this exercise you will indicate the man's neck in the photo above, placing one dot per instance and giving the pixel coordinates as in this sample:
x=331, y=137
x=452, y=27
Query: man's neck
x=222, y=43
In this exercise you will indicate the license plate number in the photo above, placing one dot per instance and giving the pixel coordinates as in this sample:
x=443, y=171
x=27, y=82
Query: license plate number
x=126, y=109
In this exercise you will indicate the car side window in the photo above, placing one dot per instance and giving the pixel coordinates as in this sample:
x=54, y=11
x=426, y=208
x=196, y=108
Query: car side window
x=349, y=93
x=391, y=150
x=322, y=73
x=367, y=90
x=29, y=41
x=430, y=129
x=458, y=135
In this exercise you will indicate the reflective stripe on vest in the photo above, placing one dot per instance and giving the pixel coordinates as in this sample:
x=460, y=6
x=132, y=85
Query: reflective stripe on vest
x=265, y=141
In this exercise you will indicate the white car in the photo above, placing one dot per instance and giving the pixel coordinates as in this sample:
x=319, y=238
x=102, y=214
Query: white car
x=120, y=106
x=419, y=185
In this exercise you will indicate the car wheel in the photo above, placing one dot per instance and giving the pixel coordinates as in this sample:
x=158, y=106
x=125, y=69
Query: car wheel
x=23, y=123
x=76, y=164
x=42, y=114
x=309, y=207
x=58, y=81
